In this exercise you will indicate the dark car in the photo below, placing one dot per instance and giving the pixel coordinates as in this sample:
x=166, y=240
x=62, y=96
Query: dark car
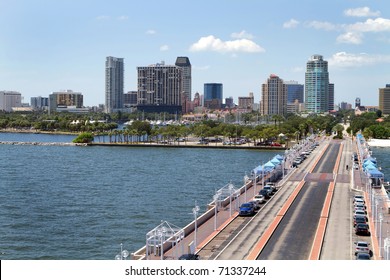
x=363, y=256
x=264, y=193
x=247, y=209
x=189, y=257
x=362, y=229
x=359, y=219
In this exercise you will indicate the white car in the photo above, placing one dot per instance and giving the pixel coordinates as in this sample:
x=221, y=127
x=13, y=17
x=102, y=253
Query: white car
x=362, y=247
x=358, y=200
x=259, y=198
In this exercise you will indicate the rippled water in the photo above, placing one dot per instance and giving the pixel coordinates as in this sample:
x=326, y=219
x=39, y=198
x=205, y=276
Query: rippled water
x=81, y=202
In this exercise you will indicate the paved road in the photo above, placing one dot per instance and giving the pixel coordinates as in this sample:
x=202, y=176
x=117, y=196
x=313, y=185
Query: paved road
x=293, y=238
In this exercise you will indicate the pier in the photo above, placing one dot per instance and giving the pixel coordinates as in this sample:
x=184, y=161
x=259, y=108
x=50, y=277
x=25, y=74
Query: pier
x=310, y=217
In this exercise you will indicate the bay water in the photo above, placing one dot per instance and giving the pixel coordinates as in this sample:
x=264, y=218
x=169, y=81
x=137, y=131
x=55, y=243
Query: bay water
x=81, y=203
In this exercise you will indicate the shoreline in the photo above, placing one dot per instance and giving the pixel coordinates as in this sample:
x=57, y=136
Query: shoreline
x=188, y=145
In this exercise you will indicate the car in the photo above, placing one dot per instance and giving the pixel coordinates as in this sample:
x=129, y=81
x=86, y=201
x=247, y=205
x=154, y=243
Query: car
x=358, y=200
x=255, y=203
x=362, y=229
x=360, y=212
x=189, y=257
x=260, y=198
x=362, y=247
x=363, y=256
x=359, y=219
x=264, y=193
x=360, y=208
x=247, y=209
x=276, y=144
x=358, y=196
x=355, y=166
x=271, y=190
x=361, y=205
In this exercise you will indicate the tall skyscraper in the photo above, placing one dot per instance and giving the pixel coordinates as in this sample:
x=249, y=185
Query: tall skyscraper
x=273, y=97
x=114, y=84
x=160, y=88
x=185, y=64
x=213, y=95
x=317, y=85
x=384, y=100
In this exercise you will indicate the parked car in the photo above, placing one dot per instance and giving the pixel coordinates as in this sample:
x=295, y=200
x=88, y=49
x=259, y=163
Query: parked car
x=275, y=144
x=264, y=193
x=363, y=256
x=358, y=201
x=362, y=229
x=359, y=219
x=255, y=203
x=361, y=205
x=362, y=247
x=189, y=257
x=360, y=208
x=260, y=198
x=247, y=209
x=360, y=212
x=358, y=196
x=270, y=189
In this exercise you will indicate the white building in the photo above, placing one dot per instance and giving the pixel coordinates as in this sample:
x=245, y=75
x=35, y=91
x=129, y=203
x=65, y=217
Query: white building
x=10, y=99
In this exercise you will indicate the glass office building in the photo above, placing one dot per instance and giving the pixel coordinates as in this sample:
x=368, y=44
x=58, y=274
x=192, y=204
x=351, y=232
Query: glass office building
x=317, y=85
x=213, y=95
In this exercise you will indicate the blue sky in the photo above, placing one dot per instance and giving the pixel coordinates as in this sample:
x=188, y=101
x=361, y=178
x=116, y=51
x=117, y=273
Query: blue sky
x=47, y=46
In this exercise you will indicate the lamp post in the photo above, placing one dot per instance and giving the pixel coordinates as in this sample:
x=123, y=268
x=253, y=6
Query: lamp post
x=122, y=255
x=195, y=211
x=216, y=198
x=380, y=234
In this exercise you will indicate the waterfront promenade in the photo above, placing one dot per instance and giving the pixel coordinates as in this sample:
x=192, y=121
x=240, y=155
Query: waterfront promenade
x=333, y=234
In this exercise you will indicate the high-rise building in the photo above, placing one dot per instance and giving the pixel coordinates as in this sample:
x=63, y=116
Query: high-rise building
x=273, y=97
x=317, y=85
x=246, y=102
x=184, y=63
x=64, y=99
x=130, y=99
x=114, y=84
x=294, y=91
x=331, y=97
x=39, y=103
x=384, y=100
x=9, y=100
x=160, y=88
x=213, y=95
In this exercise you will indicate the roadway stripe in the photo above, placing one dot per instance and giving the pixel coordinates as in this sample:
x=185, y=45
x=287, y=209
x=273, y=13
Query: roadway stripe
x=318, y=158
x=336, y=166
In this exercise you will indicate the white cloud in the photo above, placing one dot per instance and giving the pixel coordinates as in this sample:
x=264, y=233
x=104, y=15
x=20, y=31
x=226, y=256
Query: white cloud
x=151, y=32
x=164, y=48
x=345, y=60
x=350, y=38
x=242, y=35
x=292, y=23
x=371, y=25
x=328, y=26
x=123, y=18
x=102, y=17
x=361, y=12
x=211, y=43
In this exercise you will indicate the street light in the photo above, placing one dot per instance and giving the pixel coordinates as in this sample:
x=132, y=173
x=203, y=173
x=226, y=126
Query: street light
x=195, y=211
x=122, y=255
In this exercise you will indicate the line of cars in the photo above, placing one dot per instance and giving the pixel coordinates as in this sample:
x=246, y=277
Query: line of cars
x=250, y=208
x=298, y=160
x=360, y=223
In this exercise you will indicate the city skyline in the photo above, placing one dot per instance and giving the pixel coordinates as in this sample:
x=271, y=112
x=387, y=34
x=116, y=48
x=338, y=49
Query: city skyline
x=46, y=47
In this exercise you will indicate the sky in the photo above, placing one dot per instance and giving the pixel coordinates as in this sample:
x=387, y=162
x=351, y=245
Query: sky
x=47, y=46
